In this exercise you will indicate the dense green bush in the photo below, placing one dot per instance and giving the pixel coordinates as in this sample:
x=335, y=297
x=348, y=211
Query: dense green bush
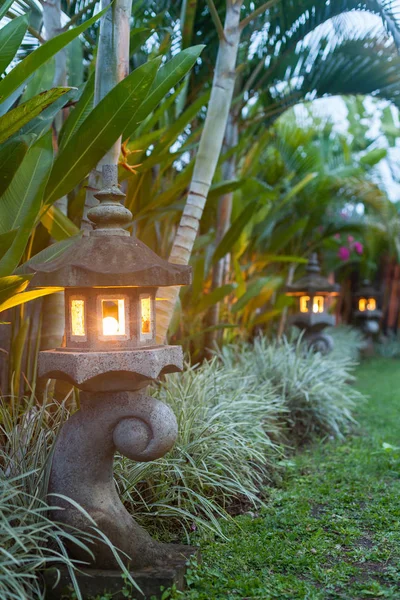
x=314, y=390
x=226, y=449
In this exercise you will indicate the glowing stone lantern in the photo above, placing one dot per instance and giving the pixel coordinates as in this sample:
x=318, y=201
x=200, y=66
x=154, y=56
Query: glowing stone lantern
x=314, y=295
x=367, y=314
x=110, y=353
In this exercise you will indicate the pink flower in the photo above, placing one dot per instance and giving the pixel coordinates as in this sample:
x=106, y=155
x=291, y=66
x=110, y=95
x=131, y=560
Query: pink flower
x=358, y=247
x=350, y=239
x=337, y=236
x=344, y=253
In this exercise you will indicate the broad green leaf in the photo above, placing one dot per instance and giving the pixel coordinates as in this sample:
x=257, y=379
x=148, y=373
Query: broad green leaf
x=284, y=233
x=40, y=124
x=13, y=284
x=6, y=240
x=76, y=64
x=214, y=297
x=11, y=36
x=50, y=253
x=24, y=297
x=18, y=117
x=99, y=131
x=11, y=156
x=137, y=38
x=224, y=187
x=41, y=80
x=176, y=128
x=373, y=157
x=255, y=289
x=233, y=233
x=58, y=225
x=5, y=5
x=148, y=124
x=33, y=61
x=266, y=317
x=20, y=204
x=167, y=77
x=78, y=114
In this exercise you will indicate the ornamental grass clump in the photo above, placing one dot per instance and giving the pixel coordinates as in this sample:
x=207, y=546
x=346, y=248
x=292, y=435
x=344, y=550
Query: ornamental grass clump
x=226, y=450
x=314, y=389
x=348, y=342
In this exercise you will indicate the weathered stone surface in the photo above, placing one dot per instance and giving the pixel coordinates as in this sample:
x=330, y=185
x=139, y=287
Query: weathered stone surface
x=95, y=582
x=319, y=342
x=113, y=371
x=312, y=322
x=140, y=427
x=313, y=282
x=108, y=261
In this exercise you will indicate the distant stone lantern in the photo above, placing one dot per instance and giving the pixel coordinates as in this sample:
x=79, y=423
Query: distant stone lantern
x=110, y=353
x=367, y=314
x=314, y=295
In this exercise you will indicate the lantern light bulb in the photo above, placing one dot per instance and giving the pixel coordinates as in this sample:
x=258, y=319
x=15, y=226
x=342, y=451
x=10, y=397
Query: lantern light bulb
x=110, y=326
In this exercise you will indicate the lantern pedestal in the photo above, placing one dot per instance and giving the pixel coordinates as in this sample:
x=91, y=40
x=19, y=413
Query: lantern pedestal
x=95, y=583
x=140, y=428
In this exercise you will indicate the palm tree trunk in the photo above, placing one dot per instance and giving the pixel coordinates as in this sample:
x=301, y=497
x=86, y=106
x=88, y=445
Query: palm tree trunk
x=221, y=268
x=207, y=158
x=112, y=66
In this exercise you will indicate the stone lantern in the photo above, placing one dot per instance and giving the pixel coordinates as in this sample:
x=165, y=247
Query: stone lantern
x=314, y=295
x=110, y=353
x=367, y=314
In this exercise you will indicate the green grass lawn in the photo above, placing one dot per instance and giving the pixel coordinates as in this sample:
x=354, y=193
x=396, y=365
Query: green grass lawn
x=332, y=530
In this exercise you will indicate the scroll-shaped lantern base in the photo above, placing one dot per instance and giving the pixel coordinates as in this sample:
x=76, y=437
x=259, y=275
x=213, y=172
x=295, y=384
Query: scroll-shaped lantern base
x=139, y=427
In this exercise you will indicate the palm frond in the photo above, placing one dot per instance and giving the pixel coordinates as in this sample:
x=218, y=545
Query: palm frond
x=365, y=64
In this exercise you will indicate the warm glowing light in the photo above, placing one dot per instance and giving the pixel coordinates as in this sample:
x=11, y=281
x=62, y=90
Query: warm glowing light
x=113, y=313
x=78, y=317
x=318, y=304
x=366, y=304
x=110, y=326
x=145, y=305
x=304, y=300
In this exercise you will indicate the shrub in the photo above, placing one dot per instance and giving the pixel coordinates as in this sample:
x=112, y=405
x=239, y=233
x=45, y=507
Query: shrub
x=390, y=346
x=226, y=449
x=349, y=342
x=313, y=389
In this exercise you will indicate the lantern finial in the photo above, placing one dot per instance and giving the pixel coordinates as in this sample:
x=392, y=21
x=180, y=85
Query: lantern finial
x=313, y=264
x=110, y=216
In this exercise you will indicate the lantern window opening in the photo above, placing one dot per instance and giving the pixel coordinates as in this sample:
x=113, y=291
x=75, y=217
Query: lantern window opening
x=318, y=304
x=113, y=317
x=146, y=317
x=314, y=304
x=78, y=318
x=365, y=304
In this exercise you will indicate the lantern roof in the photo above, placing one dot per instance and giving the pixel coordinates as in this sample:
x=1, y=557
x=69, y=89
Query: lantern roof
x=366, y=290
x=108, y=255
x=312, y=282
